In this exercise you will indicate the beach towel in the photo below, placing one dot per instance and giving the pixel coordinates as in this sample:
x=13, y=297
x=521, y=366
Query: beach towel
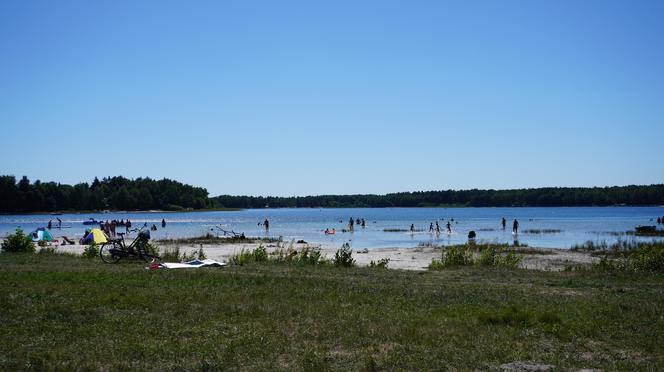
x=191, y=264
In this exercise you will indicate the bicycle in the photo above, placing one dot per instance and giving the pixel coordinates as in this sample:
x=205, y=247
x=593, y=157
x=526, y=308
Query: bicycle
x=115, y=249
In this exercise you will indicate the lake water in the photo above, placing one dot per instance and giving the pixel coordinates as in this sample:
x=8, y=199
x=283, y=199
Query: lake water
x=576, y=225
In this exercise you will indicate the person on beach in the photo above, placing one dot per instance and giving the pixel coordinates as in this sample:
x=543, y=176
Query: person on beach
x=266, y=224
x=515, y=227
x=504, y=222
x=49, y=224
x=163, y=223
x=128, y=225
x=449, y=227
x=113, y=226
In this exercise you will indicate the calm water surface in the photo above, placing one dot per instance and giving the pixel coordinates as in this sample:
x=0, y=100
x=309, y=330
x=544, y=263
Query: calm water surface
x=577, y=224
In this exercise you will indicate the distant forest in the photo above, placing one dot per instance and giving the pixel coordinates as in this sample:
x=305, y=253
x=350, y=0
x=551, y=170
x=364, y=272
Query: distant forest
x=113, y=193
x=119, y=193
x=541, y=197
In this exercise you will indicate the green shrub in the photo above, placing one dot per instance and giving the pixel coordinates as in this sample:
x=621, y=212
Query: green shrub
x=344, y=256
x=648, y=258
x=177, y=255
x=510, y=260
x=306, y=256
x=18, y=242
x=457, y=256
x=436, y=265
x=632, y=256
x=90, y=251
x=381, y=264
x=490, y=255
x=246, y=256
x=150, y=248
x=260, y=254
x=171, y=254
x=487, y=257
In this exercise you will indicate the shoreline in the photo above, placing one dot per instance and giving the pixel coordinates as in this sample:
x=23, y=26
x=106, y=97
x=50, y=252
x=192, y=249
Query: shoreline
x=413, y=259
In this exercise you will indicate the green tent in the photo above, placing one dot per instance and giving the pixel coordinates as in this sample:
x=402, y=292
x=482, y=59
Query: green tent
x=41, y=234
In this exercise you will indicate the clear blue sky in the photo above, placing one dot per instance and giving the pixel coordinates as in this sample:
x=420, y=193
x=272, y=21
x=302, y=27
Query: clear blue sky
x=307, y=97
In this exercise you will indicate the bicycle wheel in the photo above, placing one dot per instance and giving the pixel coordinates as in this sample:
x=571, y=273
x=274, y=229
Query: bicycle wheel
x=108, y=254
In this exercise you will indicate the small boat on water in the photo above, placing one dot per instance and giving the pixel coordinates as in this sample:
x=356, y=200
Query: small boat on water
x=643, y=229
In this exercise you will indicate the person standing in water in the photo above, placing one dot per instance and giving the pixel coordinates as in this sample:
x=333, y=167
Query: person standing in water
x=437, y=228
x=431, y=227
x=351, y=224
x=49, y=224
x=412, y=227
x=266, y=224
x=515, y=227
x=363, y=223
x=504, y=222
x=163, y=223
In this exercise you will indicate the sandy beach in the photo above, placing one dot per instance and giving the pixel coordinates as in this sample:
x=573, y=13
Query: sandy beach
x=417, y=258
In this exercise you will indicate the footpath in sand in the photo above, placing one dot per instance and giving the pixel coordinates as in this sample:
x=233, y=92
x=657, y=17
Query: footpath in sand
x=417, y=258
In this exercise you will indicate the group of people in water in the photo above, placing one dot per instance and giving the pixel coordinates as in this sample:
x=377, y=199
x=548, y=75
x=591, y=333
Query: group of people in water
x=515, y=225
x=50, y=224
x=448, y=226
x=359, y=222
x=109, y=228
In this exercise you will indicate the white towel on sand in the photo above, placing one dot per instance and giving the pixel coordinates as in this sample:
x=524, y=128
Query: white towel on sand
x=193, y=264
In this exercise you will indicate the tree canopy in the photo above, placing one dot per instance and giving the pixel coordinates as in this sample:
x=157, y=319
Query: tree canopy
x=119, y=193
x=540, y=197
x=116, y=193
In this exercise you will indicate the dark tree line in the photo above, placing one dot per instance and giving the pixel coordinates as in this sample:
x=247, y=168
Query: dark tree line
x=119, y=193
x=541, y=197
x=115, y=193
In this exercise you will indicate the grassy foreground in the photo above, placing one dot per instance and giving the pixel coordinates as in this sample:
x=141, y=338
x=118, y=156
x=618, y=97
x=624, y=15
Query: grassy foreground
x=64, y=313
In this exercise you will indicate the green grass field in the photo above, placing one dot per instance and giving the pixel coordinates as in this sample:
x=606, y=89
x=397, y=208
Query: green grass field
x=65, y=313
